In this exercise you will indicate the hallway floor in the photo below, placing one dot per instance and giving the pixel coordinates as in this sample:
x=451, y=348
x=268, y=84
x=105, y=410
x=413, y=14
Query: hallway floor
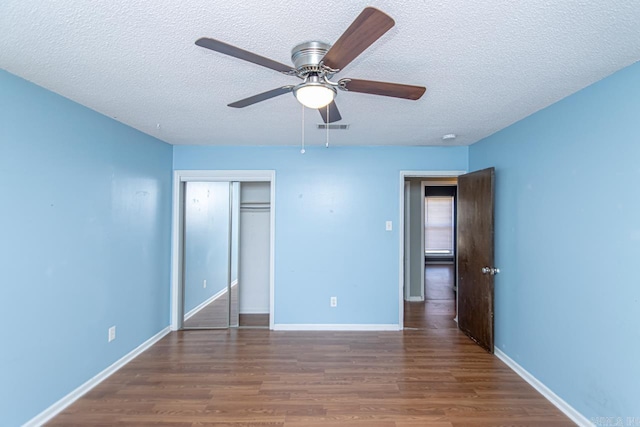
x=439, y=307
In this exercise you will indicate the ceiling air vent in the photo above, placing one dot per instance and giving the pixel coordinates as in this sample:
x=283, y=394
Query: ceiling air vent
x=333, y=127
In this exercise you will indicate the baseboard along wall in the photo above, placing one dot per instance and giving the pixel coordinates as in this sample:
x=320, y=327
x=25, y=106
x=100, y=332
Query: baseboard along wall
x=67, y=400
x=545, y=391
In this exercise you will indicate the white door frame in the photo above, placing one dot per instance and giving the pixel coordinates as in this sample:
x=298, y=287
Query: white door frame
x=406, y=235
x=182, y=176
x=423, y=185
x=403, y=175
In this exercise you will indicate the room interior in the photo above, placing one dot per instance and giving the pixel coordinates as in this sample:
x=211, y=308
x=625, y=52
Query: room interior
x=102, y=106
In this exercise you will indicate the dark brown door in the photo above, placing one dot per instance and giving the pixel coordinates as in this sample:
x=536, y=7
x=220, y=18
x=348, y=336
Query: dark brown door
x=475, y=256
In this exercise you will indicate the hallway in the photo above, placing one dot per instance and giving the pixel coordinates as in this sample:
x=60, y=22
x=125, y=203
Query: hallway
x=439, y=307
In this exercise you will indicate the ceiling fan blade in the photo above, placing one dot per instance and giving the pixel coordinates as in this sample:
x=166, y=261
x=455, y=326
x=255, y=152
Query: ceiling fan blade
x=334, y=113
x=261, y=97
x=368, y=27
x=383, y=88
x=236, y=52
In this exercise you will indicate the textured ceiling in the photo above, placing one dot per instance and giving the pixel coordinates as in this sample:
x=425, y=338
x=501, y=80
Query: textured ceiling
x=486, y=64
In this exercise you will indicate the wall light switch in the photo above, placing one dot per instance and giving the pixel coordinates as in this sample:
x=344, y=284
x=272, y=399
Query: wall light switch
x=389, y=226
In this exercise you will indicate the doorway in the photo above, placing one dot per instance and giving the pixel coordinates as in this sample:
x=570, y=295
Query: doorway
x=223, y=235
x=429, y=242
x=254, y=219
x=474, y=256
x=439, y=225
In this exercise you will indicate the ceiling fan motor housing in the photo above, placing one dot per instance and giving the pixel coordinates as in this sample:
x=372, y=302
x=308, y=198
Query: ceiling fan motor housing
x=306, y=57
x=316, y=63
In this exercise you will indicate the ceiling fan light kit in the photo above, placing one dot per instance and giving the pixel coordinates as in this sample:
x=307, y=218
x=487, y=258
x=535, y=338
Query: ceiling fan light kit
x=316, y=63
x=314, y=93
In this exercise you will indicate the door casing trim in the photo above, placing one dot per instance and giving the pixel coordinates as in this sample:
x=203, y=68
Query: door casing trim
x=181, y=176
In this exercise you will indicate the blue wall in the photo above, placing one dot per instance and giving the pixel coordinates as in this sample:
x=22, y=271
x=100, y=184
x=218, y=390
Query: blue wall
x=84, y=244
x=568, y=242
x=331, y=208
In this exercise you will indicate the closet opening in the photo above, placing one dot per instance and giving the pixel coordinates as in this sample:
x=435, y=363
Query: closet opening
x=223, y=250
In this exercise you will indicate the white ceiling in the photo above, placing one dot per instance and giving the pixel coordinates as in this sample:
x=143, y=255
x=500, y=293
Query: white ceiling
x=486, y=64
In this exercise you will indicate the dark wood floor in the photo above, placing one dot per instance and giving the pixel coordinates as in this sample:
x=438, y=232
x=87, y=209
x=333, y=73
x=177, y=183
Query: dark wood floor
x=254, y=320
x=439, y=307
x=433, y=376
x=439, y=282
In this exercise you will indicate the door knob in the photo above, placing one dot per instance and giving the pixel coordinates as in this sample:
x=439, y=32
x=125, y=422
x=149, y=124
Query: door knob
x=490, y=270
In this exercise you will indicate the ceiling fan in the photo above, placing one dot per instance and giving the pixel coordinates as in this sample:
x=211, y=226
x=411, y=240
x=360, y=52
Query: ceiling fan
x=316, y=63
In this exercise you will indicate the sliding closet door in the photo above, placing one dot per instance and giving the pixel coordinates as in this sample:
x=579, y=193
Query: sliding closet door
x=207, y=254
x=234, y=314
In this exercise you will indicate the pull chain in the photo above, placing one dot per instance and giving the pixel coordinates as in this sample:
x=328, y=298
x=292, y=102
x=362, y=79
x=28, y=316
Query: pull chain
x=327, y=127
x=302, y=150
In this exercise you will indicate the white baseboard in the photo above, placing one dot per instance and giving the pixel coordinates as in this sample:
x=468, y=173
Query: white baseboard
x=415, y=299
x=259, y=310
x=67, y=400
x=335, y=327
x=203, y=304
x=545, y=391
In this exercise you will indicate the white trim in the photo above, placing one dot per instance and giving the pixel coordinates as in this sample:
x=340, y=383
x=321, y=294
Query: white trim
x=272, y=249
x=423, y=185
x=225, y=175
x=545, y=391
x=403, y=175
x=406, y=235
x=254, y=310
x=205, y=303
x=176, y=252
x=415, y=299
x=180, y=176
x=431, y=174
x=67, y=400
x=334, y=327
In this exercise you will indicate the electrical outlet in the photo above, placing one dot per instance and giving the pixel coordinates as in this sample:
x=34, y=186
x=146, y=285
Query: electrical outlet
x=112, y=333
x=334, y=301
x=204, y=283
x=388, y=226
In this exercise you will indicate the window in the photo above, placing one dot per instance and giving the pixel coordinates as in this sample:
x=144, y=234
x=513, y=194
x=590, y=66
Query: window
x=438, y=225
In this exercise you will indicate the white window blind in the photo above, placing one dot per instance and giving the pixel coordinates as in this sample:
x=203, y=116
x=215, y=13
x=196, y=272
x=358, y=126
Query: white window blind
x=438, y=225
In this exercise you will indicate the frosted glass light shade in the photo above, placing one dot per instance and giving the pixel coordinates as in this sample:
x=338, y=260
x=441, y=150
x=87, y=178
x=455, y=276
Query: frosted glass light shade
x=314, y=95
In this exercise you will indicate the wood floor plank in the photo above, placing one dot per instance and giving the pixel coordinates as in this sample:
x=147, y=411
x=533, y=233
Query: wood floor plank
x=429, y=376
